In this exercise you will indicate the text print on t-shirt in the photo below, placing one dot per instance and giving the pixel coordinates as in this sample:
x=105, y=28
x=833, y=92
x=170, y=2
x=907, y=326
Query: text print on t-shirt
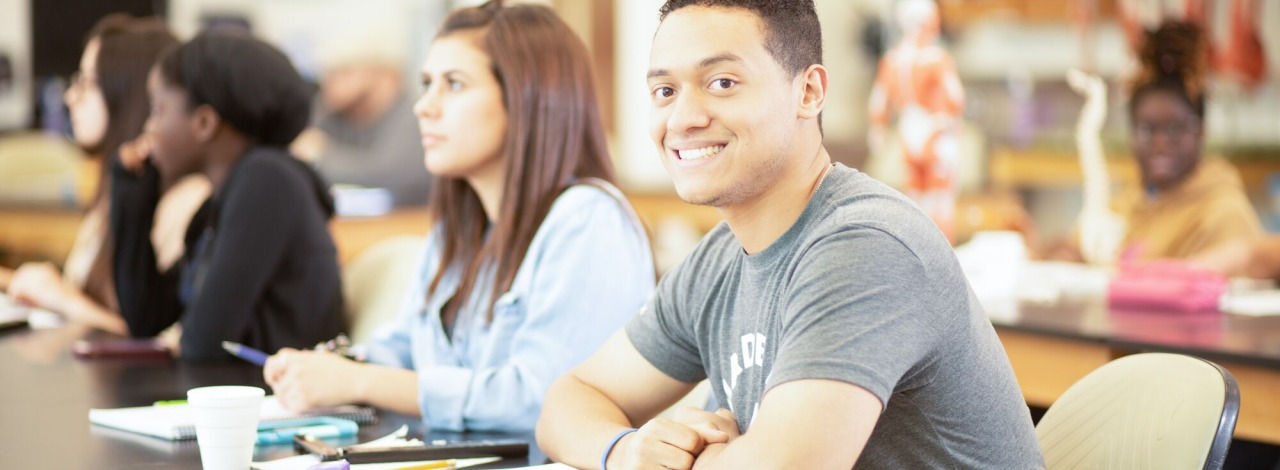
x=752, y=355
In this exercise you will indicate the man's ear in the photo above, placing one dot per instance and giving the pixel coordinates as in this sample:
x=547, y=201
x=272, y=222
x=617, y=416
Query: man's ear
x=813, y=91
x=205, y=123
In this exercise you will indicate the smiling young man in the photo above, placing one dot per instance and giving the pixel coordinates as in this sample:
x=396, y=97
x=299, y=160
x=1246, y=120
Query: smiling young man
x=828, y=312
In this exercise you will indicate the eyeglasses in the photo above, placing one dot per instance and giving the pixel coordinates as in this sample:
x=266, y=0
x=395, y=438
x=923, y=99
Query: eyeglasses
x=1174, y=131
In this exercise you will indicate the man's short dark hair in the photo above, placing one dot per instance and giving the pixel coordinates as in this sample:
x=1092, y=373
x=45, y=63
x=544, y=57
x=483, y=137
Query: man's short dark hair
x=792, y=34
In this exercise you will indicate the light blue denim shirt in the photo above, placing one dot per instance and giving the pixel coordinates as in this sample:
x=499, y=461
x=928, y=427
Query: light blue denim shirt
x=587, y=271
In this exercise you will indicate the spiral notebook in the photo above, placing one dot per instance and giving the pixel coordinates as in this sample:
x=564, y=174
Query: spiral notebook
x=177, y=422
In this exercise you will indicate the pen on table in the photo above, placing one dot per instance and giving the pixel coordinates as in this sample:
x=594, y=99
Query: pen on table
x=450, y=464
x=244, y=352
x=169, y=402
x=310, y=444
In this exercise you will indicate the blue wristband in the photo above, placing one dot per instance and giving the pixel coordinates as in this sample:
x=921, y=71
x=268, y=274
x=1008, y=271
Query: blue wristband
x=609, y=448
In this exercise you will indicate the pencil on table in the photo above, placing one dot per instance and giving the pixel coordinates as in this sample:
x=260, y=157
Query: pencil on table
x=450, y=464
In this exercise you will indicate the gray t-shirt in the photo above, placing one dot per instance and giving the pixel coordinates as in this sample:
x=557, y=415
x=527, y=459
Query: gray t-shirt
x=863, y=289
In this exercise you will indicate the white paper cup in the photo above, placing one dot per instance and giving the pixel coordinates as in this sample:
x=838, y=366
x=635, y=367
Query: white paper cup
x=226, y=437
x=226, y=419
x=219, y=458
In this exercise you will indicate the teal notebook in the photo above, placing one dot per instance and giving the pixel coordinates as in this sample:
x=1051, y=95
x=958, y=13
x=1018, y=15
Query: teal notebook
x=177, y=422
x=319, y=427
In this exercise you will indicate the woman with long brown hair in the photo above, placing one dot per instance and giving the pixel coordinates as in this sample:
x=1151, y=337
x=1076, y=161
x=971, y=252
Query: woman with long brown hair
x=108, y=104
x=535, y=259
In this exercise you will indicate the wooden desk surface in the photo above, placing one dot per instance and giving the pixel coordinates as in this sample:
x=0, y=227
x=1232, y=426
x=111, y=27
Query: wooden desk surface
x=45, y=407
x=1050, y=347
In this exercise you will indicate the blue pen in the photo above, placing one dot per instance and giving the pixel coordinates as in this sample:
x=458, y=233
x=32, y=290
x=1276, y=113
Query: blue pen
x=247, y=353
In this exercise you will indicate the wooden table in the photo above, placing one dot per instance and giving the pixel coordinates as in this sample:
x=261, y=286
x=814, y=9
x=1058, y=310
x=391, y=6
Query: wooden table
x=1052, y=346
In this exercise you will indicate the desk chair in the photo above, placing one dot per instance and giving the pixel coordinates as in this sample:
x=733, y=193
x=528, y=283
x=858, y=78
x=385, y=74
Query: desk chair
x=1157, y=411
x=374, y=283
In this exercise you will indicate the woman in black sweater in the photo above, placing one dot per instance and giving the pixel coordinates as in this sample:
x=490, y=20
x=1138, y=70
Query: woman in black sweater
x=261, y=268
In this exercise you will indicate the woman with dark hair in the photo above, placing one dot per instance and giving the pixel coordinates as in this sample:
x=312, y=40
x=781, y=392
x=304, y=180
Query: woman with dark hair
x=1188, y=204
x=108, y=103
x=260, y=267
x=536, y=257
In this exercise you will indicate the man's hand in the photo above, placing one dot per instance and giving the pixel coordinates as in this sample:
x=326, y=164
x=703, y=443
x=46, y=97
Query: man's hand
x=659, y=444
x=720, y=427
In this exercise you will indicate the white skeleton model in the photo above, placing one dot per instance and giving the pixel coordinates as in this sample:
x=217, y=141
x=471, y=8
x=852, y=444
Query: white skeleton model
x=1101, y=230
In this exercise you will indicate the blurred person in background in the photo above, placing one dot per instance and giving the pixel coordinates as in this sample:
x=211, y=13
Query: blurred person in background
x=1258, y=259
x=1188, y=205
x=108, y=104
x=364, y=132
x=260, y=268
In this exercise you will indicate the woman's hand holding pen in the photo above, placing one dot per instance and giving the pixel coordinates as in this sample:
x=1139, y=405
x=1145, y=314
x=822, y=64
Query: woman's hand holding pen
x=303, y=380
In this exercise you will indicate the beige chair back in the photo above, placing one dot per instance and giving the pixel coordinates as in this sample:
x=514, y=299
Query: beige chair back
x=374, y=283
x=1155, y=410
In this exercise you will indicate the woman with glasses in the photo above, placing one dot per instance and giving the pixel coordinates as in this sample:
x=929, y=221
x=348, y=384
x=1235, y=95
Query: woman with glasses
x=1188, y=204
x=108, y=103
